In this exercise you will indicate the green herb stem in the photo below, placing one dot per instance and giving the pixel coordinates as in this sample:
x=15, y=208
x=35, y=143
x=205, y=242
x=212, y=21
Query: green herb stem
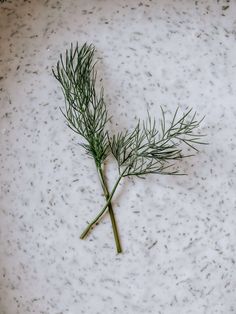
x=104, y=209
x=110, y=209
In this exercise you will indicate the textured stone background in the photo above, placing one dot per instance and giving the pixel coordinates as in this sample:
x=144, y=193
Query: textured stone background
x=178, y=233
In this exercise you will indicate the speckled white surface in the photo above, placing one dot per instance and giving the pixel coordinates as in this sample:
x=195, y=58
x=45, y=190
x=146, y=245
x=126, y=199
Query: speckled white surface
x=178, y=233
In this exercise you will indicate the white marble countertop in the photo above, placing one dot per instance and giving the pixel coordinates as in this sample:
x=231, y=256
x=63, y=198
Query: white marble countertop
x=178, y=233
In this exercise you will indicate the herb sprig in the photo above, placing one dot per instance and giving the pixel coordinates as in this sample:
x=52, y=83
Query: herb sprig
x=86, y=111
x=142, y=151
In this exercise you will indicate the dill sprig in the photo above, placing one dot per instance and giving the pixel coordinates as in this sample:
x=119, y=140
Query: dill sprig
x=85, y=110
x=145, y=150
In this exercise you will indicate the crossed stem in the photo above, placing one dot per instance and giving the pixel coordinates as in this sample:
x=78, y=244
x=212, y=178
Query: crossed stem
x=106, y=207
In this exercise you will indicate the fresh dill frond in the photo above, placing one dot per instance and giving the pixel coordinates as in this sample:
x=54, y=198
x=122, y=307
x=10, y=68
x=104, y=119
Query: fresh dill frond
x=147, y=150
x=85, y=109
